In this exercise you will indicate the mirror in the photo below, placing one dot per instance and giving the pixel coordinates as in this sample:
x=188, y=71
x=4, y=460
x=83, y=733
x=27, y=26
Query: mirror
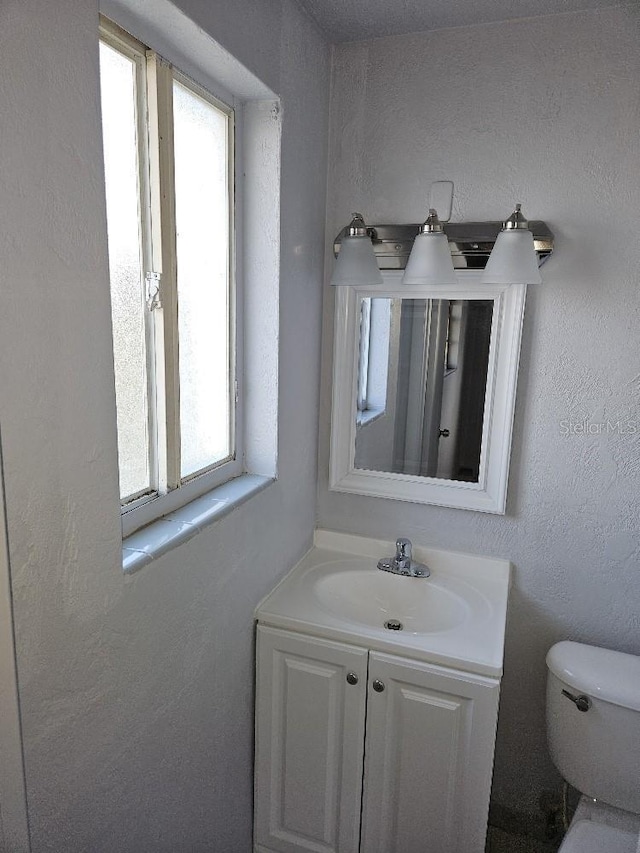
x=422, y=375
x=424, y=391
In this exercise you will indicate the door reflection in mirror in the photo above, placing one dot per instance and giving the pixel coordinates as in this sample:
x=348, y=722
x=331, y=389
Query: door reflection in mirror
x=422, y=376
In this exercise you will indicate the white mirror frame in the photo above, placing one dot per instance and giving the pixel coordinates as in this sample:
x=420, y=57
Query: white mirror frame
x=489, y=494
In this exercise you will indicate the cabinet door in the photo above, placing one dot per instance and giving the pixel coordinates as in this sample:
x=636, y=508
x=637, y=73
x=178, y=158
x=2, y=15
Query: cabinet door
x=429, y=758
x=309, y=743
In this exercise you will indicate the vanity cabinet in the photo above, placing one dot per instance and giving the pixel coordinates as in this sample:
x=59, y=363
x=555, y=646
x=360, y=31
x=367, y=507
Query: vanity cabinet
x=357, y=750
x=429, y=757
x=309, y=743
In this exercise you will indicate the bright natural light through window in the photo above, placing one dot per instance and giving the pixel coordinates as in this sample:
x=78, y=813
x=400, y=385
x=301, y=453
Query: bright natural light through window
x=202, y=225
x=373, y=357
x=126, y=268
x=168, y=150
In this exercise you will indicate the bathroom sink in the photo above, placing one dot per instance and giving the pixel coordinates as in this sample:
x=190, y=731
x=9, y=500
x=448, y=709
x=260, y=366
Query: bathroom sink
x=455, y=617
x=374, y=598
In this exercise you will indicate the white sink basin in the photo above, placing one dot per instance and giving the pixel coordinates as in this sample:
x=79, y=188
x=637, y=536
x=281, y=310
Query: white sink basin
x=456, y=617
x=371, y=597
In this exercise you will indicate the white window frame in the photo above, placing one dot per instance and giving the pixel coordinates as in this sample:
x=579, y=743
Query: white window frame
x=169, y=491
x=363, y=355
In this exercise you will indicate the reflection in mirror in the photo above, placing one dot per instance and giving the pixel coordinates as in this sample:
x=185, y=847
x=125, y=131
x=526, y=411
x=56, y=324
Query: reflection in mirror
x=422, y=376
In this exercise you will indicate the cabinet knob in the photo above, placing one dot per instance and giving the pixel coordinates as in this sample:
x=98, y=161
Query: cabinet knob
x=352, y=678
x=378, y=685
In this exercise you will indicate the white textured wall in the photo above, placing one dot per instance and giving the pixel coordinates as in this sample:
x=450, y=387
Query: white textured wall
x=136, y=692
x=543, y=111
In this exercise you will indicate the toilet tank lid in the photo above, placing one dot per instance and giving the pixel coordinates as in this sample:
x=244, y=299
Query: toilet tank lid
x=600, y=673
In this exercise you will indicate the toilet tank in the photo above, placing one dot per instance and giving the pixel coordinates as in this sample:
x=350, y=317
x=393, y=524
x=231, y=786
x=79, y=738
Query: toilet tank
x=597, y=751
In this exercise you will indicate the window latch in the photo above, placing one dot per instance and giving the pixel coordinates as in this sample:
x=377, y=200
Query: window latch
x=152, y=280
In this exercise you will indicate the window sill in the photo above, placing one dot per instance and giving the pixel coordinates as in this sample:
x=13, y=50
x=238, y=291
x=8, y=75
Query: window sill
x=146, y=545
x=368, y=416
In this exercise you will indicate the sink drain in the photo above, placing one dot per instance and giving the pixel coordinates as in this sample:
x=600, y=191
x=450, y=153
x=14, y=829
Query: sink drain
x=393, y=625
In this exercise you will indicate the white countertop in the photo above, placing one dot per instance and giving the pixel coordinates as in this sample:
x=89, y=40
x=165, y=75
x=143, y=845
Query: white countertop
x=454, y=618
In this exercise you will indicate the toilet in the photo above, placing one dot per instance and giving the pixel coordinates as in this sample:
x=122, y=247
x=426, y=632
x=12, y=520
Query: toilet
x=593, y=729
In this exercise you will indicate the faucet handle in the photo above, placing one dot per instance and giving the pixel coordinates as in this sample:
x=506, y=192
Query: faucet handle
x=402, y=563
x=403, y=548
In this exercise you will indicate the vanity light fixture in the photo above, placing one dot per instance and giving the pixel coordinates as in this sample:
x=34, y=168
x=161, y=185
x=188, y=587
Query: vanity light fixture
x=356, y=264
x=513, y=259
x=509, y=252
x=430, y=261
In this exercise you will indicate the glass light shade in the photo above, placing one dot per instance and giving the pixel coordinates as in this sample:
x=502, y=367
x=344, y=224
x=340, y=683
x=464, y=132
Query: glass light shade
x=430, y=261
x=356, y=263
x=513, y=259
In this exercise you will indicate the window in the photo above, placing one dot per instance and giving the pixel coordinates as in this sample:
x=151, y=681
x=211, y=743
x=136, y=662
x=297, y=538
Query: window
x=373, y=358
x=363, y=355
x=168, y=150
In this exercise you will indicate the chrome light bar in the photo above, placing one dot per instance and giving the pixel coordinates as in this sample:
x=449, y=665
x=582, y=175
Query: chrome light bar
x=470, y=243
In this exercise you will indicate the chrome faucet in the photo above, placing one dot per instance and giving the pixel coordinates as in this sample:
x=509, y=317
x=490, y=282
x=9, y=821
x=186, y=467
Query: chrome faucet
x=402, y=563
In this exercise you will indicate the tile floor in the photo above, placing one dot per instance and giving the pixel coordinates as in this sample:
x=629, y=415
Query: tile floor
x=503, y=842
